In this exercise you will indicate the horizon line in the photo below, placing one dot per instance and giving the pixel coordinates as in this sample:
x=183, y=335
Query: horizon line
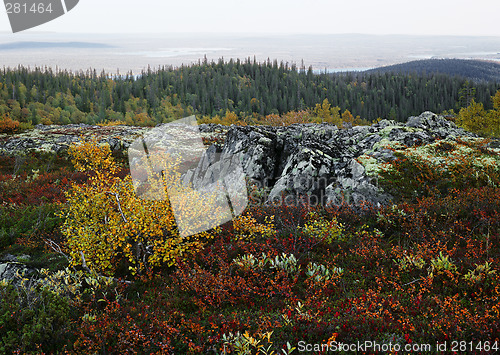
x=236, y=34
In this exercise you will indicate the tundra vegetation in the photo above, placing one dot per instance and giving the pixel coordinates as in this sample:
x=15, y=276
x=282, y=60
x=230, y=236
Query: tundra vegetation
x=102, y=272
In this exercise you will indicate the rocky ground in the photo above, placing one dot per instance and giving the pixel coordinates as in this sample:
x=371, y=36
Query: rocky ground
x=324, y=163
x=55, y=138
x=320, y=161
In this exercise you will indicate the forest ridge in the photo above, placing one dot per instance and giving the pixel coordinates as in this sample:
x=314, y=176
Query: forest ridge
x=248, y=89
x=475, y=70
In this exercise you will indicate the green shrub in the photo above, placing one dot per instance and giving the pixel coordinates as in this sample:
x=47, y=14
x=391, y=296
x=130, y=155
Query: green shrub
x=323, y=229
x=6, y=237
x=31, y=223
x=32, y=319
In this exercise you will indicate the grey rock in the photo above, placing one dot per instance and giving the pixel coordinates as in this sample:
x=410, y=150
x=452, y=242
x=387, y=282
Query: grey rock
x=57, y=139
x=353, y=187
x=314, y=160
x=8, y=257
x=494, y=144
x=319, y=160
x=10, y=270
x=385, y=123
x=429, y=120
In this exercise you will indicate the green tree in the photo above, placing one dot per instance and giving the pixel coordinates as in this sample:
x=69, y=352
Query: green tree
x=466, y=95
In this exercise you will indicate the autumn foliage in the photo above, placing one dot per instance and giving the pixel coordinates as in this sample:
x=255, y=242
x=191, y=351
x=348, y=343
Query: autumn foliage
x=476, y=119
x=107, y=224
x=420, y=271
x=7, y=125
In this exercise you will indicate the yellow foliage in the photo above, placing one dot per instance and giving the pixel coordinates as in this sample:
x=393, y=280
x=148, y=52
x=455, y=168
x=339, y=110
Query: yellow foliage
x=230, y=118
x=112, y=123
x=273, y=120
x=473, y=117
x=324, y=230
x=476, y=119
x=496, y=101
x=106, y=222
x=91, y=156
x=287, y=119
x=328, y=114
x=7, y=125
x=347, y=117
x=46, y=121
x=245, y=226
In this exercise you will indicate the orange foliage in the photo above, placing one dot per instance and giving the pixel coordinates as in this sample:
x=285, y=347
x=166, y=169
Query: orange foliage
x=7, y=125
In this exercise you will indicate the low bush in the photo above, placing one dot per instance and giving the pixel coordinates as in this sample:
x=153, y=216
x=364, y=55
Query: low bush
x=29, y=224
x=106, y=224
x=8, y=125
x=33, y=320
x=437, y=169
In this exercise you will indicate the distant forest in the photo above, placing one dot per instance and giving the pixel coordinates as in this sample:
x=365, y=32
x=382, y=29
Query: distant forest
x=474, y=70
x=247, y=89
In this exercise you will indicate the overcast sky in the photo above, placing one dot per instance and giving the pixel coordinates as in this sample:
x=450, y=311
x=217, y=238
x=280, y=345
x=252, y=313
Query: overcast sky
x=420, y=17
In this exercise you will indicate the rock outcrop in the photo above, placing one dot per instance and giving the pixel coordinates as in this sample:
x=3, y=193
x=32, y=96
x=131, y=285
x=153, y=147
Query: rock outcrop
x=56, y=139
x=320, y=162
x=12, y=268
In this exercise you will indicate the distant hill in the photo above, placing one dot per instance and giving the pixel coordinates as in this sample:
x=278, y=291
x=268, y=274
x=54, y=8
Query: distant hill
x=475, y=70
x=46, y=45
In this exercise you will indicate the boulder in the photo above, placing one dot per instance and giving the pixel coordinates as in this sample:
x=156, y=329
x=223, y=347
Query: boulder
x=319, y=161
x=354, y=187
x=10, y=271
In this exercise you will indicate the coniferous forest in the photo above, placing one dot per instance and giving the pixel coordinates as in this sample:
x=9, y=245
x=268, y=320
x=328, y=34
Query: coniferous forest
x=248, y=89
x=473, y=69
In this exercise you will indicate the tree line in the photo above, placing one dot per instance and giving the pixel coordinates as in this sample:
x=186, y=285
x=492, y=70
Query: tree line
x=247, y=89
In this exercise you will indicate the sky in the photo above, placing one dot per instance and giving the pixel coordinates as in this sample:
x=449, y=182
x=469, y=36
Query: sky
x=422, y=17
